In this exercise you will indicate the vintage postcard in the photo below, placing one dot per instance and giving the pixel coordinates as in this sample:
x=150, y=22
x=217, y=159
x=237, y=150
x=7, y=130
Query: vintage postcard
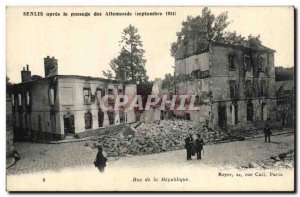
x=150, y=99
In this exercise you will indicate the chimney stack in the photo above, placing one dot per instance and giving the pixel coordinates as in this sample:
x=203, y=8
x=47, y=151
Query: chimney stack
x=26, y=74
x=51, y=66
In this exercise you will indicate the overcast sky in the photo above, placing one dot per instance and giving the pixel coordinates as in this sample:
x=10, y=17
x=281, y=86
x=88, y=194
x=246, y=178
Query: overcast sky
x=85, y=45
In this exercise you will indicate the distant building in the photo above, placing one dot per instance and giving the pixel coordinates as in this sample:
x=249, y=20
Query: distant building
x=285, y=93
x=235, y=84
x=58, y=105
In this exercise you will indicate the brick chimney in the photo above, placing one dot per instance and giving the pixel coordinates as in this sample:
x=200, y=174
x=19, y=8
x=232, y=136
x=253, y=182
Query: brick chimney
x=51, y=66
x=26, y=74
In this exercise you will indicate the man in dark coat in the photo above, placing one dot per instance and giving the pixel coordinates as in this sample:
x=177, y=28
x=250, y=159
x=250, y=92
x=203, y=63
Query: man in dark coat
x=189, y=146
x=100, y=161
x=199, y=146
x=267, y=131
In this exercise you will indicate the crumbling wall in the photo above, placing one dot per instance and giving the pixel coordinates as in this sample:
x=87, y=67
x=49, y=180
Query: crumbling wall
x=194, y=62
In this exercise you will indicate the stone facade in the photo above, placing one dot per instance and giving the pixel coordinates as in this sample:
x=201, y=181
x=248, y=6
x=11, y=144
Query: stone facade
x=285, y=93
x=55, y=106
x=235, y=85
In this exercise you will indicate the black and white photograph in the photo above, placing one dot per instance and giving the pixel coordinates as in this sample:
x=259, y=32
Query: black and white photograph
x=150, y=98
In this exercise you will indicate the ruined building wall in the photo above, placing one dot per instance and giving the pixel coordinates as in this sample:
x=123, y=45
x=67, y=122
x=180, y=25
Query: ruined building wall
x=72, y=102
x=189, y=84
x=32, y=109
x=223, y=75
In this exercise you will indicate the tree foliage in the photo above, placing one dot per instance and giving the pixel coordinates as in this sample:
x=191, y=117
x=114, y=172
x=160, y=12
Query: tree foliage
x=108, y=74
x=131, y=57
x=284, y=74
x=168, y=81
x=210, y=28
x=8, y=85
x=35, y=77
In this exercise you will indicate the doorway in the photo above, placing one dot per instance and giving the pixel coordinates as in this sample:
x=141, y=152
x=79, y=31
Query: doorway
x=100, y=118
x=222, y=116
x=69, y=124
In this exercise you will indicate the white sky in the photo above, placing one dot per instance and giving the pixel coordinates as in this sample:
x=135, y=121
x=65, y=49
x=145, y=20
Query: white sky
x=85, y=45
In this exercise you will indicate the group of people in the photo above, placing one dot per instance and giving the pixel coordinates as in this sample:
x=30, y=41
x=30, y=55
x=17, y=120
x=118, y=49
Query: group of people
x=194, y=147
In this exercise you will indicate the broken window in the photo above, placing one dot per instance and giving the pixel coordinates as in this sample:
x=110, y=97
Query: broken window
x=248, y=88
x=110, y=91
x=69, y=124
x=120, y=91
x=122, y=116
x=233, y=89
x=20, y=99
x=261, y=63
x=263, y=91
x=231, y=62
x=111, y=117
x=247, y=63
x=98, y=95
x=13, y=100
x=51, y=96
x=249, y=111
x=263, y=111
x=88, y=119
x=256, y=88
x=234, y=113
x=100, y=118
x=53, y=122
x=27, y=98
x=86, y=95
x=222, y=117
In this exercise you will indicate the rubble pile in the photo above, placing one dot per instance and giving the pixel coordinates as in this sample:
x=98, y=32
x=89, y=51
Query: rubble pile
x=283, y=160
x=156, y=137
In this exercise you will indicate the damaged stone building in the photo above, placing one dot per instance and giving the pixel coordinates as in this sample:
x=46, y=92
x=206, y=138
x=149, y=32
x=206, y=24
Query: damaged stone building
x=285, y=93
x=58, y=105
x=235, y=84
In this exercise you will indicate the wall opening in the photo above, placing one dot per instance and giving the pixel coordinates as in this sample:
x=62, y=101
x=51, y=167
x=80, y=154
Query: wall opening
x=88, y=119
x=111, y=117
x=222, y=118
x=100, y=118
x=69, y=124
x=249, y=111
x=122, y=116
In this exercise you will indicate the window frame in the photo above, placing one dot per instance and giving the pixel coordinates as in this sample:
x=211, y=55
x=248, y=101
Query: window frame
x=90, y=120
x=261, y=64
x=89, y=95
x=247, y=67
x=232, y=63
x=234, y=89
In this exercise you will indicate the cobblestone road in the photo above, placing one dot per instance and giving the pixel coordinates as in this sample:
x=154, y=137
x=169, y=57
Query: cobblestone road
x=38, y=157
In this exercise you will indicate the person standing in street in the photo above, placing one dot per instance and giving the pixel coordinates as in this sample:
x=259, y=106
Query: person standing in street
x=199, y=146
x=267, y=132
x=189, y=146
x=100, y=161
